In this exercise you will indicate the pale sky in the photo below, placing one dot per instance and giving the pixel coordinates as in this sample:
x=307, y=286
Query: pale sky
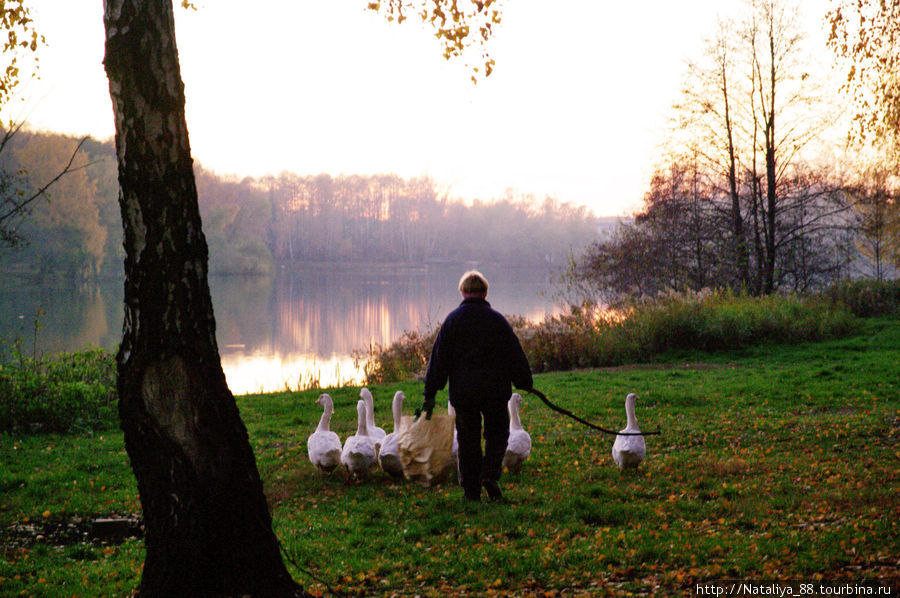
x=575, y=108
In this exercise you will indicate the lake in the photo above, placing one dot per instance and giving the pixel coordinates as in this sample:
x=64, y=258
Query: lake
x=294, y=330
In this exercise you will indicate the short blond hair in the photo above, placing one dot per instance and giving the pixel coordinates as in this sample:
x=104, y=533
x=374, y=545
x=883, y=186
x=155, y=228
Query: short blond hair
x=473, y=282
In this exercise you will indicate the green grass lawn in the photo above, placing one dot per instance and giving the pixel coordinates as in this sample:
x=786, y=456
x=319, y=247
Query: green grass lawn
x=776, y=463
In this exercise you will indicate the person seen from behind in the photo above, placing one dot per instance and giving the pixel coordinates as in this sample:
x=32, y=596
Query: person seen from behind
x=478, y=352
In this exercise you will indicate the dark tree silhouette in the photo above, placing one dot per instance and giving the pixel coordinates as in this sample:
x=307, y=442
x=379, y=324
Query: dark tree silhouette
x=208, y=527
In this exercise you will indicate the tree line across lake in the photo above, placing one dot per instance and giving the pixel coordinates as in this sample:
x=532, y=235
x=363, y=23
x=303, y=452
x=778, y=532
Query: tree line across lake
x=252, y=224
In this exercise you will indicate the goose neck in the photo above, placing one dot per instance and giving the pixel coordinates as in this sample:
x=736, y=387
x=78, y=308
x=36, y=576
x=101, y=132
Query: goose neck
x=362, y=428
x=514, y=422
x=325, y=420
x=397, y=410
x=629, y=413
x=370, y=409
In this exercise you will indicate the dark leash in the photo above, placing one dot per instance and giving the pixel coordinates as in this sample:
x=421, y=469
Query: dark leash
x=568, y=413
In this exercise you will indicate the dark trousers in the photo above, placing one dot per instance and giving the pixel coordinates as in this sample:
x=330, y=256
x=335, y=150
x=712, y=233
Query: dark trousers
x=475, y=466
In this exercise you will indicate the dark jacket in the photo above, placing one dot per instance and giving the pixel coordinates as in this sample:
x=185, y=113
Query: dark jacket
x=478, y=352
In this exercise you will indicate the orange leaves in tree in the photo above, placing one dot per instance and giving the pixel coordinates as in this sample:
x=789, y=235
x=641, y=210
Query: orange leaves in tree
x=21, y=36
x=459, y=25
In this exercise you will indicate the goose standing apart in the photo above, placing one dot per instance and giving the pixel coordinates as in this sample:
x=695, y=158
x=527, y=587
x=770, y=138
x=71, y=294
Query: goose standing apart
x=629, y=451
x=323, y=445
x=519, y=445
x=389, y=455
x=374, y=431
x=358, y=455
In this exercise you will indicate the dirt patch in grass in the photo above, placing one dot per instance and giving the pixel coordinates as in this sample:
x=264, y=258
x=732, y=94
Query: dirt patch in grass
x=103, y=529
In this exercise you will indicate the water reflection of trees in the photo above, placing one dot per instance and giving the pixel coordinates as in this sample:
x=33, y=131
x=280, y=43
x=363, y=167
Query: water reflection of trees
x=327, y=311
x=52, y=318
x=284, y=330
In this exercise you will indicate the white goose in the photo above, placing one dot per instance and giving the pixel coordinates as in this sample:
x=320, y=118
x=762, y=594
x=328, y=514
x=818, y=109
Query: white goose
x=374, y=431
x=323, y=445
x=389, y=455
x=358, y=455
x=454, y=447
x=629, y=451
x=519, y=445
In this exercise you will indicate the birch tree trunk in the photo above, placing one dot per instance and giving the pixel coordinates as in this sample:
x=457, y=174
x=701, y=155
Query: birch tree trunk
x=208, y=527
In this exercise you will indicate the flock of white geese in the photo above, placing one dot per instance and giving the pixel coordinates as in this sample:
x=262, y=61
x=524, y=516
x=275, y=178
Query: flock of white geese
x=370, y=447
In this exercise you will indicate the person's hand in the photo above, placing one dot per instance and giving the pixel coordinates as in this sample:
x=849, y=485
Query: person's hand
x=427, y=407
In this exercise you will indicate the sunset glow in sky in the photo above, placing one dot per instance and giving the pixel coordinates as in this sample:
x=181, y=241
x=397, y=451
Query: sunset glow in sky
x=575, y=108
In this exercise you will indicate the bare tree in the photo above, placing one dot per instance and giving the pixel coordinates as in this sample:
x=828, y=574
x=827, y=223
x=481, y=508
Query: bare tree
x=675, y=243
x=737, y=206
x=785, y=114
x=707, y=113
x=748, y=112
x=814, y=231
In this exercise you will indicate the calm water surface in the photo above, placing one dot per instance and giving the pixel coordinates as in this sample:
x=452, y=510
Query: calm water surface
x=294, y=330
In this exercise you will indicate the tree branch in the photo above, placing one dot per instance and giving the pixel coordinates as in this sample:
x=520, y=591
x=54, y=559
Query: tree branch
x=18, y=208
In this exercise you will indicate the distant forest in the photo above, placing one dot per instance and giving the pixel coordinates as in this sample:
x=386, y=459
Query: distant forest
x=254, y=224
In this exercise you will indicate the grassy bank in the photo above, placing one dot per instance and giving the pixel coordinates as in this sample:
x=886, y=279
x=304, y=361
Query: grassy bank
x=776, y=462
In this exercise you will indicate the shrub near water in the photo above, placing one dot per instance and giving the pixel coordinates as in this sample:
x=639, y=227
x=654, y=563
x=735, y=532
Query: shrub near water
x=69, y=393
x=586, y=336
x=867, y=298
x=719, y=321
x=710, y=321
x=404, y=359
